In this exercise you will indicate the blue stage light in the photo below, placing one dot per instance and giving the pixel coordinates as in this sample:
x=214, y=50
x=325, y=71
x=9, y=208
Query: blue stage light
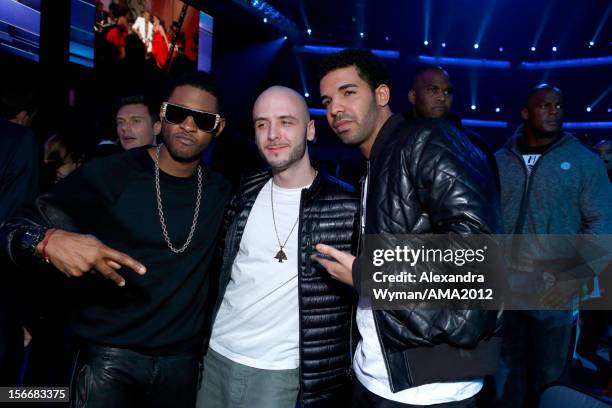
x=588, y=109
x=554, y=49
x=309, y=31
x=580, y=62
x=533, y=49
x=484, y=123
x=473, y=107
x=587, y=125
x=476, y=46
x=306, y=95
x=497, y=110
x=425, y=42
x=467, y=62
x=443, y=45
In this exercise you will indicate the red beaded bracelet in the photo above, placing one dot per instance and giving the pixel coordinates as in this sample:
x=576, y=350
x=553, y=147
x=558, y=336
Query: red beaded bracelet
x=43, y=250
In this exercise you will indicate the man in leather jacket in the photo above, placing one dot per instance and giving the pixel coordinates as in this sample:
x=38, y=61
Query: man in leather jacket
x=424, y=177
x=282, y=325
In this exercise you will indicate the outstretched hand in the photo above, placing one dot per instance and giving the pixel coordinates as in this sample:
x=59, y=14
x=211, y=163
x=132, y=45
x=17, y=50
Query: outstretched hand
x=77, y=254
x=340, y=269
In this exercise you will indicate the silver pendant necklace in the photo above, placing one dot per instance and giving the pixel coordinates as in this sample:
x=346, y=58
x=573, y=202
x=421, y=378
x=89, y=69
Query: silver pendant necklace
x=160, y=208
x=280, y=255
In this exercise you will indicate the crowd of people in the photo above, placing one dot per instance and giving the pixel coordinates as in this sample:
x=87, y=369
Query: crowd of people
x=181, y=289
x=116, y=28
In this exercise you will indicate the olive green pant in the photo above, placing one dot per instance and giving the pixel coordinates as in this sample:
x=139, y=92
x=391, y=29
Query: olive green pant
x=227, y=384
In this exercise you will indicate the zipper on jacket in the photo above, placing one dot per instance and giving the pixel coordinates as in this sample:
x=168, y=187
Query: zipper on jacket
x=350, y=372
x=520, y=221
x=306, y=239
x=366, y=180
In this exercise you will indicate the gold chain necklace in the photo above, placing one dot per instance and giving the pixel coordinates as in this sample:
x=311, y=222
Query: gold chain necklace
x=280, y=255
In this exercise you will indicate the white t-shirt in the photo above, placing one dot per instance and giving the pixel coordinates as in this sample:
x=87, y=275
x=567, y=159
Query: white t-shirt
x=145, y=30
x=370, y=369
x=258, y=320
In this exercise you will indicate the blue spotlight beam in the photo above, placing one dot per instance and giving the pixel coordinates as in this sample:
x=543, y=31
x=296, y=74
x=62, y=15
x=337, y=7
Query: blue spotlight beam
x=543, y=22
x=317, y=49
x=602, y=22
x=427, y=12
x=600, y=97
x=485, y=21
x=467, y=62
x=568, y=63
x=587, y=125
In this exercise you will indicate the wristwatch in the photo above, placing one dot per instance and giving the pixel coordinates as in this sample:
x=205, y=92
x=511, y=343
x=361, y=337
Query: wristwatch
x=30, y=239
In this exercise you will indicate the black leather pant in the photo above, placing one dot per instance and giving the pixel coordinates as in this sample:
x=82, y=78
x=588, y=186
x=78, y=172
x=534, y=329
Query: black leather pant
x=112, y=377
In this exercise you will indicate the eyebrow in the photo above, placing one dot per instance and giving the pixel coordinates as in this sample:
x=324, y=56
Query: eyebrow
x=343, y=87
x=340, y=88
x=130, y=117
x=279, y=117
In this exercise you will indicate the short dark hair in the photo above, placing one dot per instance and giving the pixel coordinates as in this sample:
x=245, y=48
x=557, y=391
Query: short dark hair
x=18, y=98
x=200, y=80
x=541, y=87
x=141, y=100
x=370, y=68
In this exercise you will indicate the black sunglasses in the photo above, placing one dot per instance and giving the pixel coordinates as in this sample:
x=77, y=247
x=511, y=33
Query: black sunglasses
x=176, y=114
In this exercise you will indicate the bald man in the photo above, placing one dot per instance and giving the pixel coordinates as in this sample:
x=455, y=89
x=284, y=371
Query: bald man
x=431, y=97
x=431, y=94
x=281, y=330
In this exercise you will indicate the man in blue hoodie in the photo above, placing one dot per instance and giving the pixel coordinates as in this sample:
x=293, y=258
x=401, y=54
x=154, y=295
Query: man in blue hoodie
x=550, y=184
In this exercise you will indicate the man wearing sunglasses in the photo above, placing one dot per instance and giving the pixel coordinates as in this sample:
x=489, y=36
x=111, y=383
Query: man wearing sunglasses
x=147, y=220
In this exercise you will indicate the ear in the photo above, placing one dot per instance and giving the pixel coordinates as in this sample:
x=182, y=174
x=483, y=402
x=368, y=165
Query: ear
x=310, y=130
x=157, y=128
x=412, y=97
x=525, y=114
x=220, y=127
x=22, y=118
x=382, y=95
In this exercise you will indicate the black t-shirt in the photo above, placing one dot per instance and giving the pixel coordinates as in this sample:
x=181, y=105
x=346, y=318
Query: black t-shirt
x=113, y=198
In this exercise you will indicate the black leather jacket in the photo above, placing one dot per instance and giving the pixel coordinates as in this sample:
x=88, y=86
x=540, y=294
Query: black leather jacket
x=426, y=177
x=328, y=214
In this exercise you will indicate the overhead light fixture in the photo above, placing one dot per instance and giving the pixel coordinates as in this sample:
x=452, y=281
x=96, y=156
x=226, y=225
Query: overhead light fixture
x=476, y=46
x=425, y=42
x=533, y=49
x=497, y=110
x=309, y=31
x=473, y=107
x=306, y=94
x=443, y=45
x=588, y=109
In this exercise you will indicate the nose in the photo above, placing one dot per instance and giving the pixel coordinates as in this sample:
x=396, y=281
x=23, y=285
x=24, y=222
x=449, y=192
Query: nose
x=334, y=108
x=189, y=124
x=273, y=131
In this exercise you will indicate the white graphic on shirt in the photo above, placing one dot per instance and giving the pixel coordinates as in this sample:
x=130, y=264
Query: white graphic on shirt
x=530, y=161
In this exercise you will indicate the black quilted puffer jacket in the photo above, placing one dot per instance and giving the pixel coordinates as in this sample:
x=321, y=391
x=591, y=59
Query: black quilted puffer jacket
x=328, y=214
x=426, y=177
